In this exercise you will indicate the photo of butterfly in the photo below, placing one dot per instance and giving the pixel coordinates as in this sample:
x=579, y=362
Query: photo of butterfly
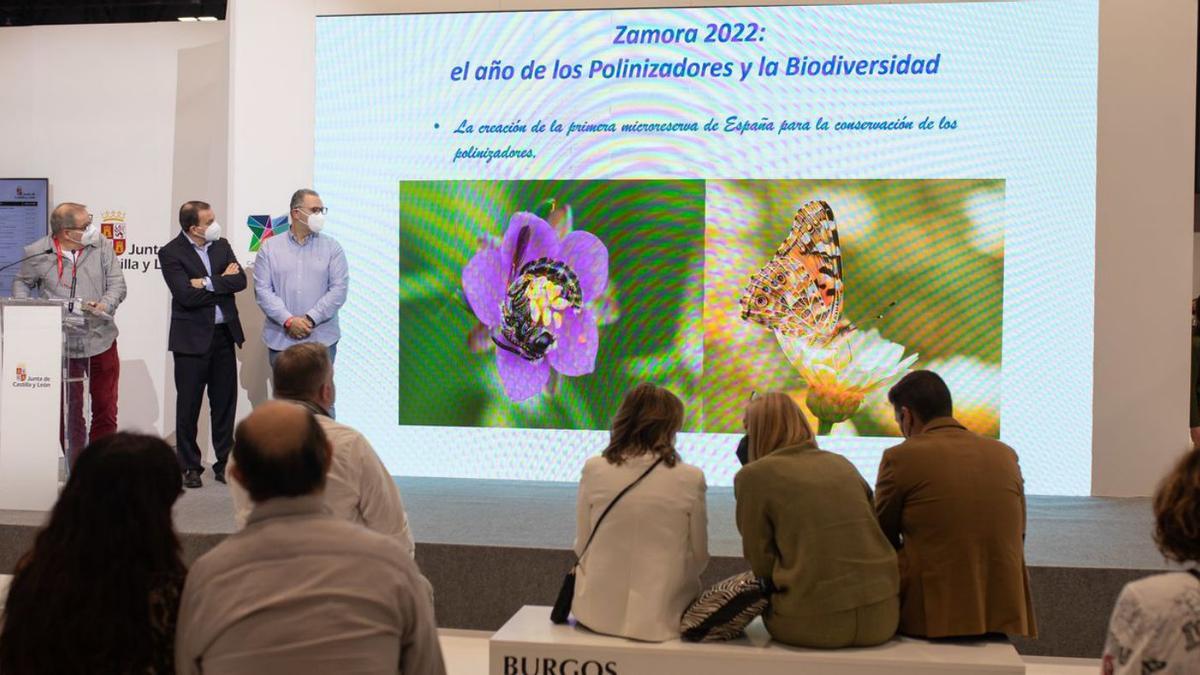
x=799, y=292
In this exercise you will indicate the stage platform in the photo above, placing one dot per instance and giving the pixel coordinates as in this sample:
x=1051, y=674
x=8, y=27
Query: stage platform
x=491, y=547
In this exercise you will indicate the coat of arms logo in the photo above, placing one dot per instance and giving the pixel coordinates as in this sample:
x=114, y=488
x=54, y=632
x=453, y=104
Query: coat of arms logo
x=112, y=226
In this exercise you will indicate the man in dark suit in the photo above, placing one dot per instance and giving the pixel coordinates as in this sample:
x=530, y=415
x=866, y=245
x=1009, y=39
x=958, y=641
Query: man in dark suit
x=203, y=274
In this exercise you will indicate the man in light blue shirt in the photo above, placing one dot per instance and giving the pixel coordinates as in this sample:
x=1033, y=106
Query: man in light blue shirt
x=300, y=280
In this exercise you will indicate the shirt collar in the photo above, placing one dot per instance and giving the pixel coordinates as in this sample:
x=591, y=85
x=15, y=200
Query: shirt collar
x=942, y=423
x=312, y=407
x=311, y=237
x=802, y=446
x=191, y=243
x=282, y=507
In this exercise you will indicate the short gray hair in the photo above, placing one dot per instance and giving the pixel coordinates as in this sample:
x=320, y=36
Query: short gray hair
x=63, y=216
x=299, y=195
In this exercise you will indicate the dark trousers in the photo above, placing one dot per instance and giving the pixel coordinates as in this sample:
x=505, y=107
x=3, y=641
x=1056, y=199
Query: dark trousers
x=104, y=371
x=216, y=369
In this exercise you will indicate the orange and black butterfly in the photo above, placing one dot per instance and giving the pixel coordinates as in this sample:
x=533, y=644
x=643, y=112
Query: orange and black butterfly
x=799, y=291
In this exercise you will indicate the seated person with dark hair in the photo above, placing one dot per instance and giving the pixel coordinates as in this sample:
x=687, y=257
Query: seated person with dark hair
x=301, y=590
x=358, y=487
x=99, y=589
x=1155, y=621
x=953, y=503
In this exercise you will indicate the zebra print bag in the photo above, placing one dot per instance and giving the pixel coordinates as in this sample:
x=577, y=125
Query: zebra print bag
x=723, y=611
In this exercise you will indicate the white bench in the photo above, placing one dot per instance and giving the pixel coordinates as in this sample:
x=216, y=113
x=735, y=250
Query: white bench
x=530, y=645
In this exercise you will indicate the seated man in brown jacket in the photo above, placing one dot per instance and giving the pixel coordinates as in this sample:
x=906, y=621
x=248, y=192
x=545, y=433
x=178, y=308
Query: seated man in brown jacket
x=952, y=502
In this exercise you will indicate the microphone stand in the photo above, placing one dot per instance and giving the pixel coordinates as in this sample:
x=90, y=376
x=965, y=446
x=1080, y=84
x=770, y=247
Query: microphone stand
x=28, y=257
x=74, y=272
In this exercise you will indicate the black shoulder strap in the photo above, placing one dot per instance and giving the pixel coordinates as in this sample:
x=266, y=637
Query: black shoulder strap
x=612, y=504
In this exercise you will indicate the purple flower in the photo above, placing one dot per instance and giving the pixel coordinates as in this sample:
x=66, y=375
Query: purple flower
x=534, y=295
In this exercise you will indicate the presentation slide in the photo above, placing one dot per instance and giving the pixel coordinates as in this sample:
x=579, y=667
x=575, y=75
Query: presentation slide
x=543, y=209
x=24, y=218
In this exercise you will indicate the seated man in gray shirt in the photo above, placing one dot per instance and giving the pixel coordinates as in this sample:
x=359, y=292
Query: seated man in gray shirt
x=358, y=487
x=300, y=590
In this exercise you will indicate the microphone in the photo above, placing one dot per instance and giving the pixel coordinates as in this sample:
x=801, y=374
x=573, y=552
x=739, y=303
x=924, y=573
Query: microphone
x=46, y=252
x=74, y=272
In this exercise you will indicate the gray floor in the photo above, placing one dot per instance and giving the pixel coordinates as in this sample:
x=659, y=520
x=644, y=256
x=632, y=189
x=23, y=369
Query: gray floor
x=1063, y=531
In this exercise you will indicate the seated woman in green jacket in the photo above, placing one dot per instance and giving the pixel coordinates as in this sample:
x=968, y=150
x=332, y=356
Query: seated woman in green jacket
x=808, y=525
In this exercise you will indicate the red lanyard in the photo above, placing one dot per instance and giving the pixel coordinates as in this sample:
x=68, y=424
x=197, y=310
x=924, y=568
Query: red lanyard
x=74, y=258
x=59, y=256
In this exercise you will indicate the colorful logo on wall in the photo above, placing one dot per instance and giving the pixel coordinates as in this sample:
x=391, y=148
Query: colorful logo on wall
x=263, y=228
x=22, y=374
x=112, y=226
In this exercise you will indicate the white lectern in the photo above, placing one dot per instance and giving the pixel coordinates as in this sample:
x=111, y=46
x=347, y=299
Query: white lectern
x=33, y=368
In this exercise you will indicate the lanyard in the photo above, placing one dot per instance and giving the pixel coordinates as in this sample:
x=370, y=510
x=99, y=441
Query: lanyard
x=59, y=256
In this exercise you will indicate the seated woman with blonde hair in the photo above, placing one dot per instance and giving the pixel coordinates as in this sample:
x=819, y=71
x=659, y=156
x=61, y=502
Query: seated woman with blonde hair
x=808, y=525
x=643, y=567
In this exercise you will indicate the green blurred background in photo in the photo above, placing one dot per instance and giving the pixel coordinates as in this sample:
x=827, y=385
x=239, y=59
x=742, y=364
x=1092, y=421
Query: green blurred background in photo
x=934, y=247
x=654, y=231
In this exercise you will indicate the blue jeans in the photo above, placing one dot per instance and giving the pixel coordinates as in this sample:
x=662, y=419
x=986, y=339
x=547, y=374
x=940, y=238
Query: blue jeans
x=273, y=355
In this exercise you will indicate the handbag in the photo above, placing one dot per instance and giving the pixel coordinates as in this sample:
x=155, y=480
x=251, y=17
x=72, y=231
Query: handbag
x=723, y=611
x=566, y=593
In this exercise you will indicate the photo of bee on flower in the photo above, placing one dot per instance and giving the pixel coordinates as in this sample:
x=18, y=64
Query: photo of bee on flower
x=537, y=304
x=540, y=296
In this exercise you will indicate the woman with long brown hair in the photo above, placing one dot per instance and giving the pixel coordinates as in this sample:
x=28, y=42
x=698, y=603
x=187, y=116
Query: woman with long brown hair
x=1155, y=625
x=99, y=592
x=808, y=525
x=643, y=567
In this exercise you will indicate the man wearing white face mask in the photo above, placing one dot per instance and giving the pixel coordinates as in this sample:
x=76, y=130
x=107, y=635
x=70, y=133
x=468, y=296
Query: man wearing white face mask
x=74, y=254
x=300, y=281
x=203, y=275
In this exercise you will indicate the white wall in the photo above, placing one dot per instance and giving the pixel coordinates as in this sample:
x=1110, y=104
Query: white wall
x=1144, y=241
x=129, y=118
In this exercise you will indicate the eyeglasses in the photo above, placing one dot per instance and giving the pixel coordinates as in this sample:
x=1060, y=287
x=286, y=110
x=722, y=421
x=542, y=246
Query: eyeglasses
x=82, y=226
x=316, y=209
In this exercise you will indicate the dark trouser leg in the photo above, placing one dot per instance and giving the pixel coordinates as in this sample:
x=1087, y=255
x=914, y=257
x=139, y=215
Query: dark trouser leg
x=106, y=373
x=191, y=374
x=222, y=394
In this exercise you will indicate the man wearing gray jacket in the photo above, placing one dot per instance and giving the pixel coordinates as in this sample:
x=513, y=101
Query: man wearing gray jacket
x=74, y=261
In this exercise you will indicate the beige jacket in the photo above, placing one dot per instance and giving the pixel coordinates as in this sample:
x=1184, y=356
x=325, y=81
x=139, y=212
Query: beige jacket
x=643, y=569
x=953, y=503
x=303, y=591
x=358, y=487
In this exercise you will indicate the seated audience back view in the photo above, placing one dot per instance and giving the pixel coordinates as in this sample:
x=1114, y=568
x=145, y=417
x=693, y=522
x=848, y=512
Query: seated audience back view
x=1155, y=625
x=358, y=487
x=953, y=503
x=301, y=590
x=643, y=567
x=808, y=526
x=99, y=591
